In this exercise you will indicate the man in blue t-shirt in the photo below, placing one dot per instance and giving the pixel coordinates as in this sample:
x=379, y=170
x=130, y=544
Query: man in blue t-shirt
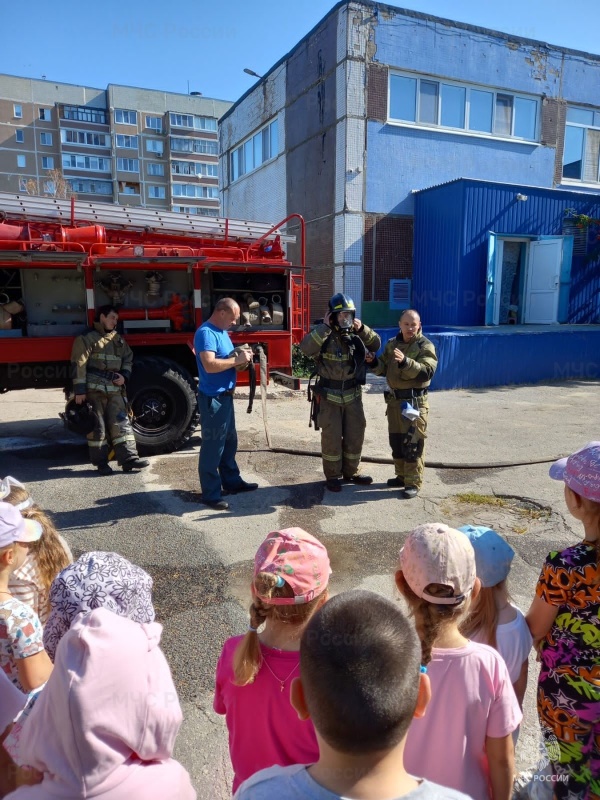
x=217, y=364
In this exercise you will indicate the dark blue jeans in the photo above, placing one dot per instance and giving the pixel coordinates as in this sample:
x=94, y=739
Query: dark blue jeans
x=217, y=466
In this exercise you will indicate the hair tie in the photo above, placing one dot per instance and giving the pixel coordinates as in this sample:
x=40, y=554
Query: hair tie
x=251, y=629
x=25, y=504
x=280, y=583
x=423, y=670
x=5, y=485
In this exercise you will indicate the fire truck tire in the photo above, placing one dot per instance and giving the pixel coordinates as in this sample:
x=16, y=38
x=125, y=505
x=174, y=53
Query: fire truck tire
x=163, y=398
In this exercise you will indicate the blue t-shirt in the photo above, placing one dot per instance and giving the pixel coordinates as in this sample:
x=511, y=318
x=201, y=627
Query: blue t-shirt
x=209, y=337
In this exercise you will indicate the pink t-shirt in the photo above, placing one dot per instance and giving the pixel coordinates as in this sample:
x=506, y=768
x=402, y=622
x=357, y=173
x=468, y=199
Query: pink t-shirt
x=471, y=697
x=264, y=729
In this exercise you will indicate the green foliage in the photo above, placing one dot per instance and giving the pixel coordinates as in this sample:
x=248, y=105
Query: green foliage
x=302, y=366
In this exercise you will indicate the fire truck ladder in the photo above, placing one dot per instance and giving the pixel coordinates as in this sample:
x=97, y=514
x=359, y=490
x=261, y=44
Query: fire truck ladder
x=49, y=209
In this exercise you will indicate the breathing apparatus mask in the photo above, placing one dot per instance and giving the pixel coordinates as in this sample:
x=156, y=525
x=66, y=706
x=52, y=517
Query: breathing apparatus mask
x=343, y=311
x=344, y=320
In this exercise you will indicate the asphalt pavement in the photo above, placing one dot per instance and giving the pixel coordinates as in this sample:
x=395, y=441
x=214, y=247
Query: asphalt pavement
x=489, y=451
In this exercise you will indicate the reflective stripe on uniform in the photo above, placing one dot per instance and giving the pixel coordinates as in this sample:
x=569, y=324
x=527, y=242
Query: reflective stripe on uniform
x=109, y=388
x=325, y=457
x=120, y=439
x=318, y=339
x=352, y=456
x=334, y=357
x=343, y=399
x=97, y=442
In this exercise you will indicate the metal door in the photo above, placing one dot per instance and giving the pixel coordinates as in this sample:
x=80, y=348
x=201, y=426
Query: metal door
x=543, y=281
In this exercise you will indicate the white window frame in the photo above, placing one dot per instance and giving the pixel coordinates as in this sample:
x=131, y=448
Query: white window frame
x=586, y=128
x=128, y=164
x=67, y=138
x=157, y=192
x=47, y=162
x=202, y=168
x=158, y=126
x=89, y=163
x=22, y=184
x=97, y=116
x=155, y=169
x=194, y=121
x=21, y=161
x=196, y=145
x=126, y=142
x=196, y=210
x=248, y=147
x=90, y=186
x=19, y=136
x=468, y=87
x=44, y=137
x=156, y=146
x=17, y=111
x=124, y=116
x=195, y=190
x=45, y=114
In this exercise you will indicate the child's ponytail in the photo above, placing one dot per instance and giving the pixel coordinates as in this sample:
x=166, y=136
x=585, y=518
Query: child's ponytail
x=482, y=617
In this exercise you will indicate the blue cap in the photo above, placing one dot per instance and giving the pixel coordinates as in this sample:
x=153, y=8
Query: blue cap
x=493, y=555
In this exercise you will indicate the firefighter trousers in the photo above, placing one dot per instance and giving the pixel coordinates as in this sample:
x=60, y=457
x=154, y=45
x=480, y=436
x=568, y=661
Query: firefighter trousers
x=342, y=436
x=112, y=428
x=407, y=440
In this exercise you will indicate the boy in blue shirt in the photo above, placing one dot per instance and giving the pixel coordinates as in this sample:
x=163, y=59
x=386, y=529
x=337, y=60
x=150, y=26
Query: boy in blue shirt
x=217, y=364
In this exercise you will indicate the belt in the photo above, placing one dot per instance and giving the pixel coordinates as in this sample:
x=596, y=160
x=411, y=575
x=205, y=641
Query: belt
x=102, y=373
x=326, y=383
x=408, y=394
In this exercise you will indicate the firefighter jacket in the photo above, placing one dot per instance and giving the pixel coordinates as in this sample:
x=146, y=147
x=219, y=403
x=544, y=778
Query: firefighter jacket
x=340, y=359
x=95, y=356
x=418, y=367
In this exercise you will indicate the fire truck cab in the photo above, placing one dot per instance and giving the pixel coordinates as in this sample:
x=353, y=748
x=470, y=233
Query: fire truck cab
x=60, y=260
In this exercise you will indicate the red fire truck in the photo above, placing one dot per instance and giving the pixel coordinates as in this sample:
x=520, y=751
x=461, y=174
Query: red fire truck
x=62, y=259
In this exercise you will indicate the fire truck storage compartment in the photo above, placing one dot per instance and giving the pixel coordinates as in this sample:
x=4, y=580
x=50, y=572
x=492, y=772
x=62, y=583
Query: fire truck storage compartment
x=262, y=297
x=54, y=301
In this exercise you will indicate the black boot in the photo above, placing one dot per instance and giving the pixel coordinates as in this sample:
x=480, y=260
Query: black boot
x=105, y=468
x=135, y=463
x=334, y=484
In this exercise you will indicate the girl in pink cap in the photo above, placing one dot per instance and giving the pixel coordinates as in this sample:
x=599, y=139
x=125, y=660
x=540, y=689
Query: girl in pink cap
x=464, y=741
x=254, y=672
x=564, y=620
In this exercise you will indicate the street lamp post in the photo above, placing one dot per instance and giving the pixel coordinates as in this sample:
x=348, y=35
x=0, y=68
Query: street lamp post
x=251, y=72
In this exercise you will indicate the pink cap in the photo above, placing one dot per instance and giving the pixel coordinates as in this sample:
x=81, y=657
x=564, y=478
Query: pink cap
x=14, y=528
x=581, y=471
x=299, y=559
x=435, y=553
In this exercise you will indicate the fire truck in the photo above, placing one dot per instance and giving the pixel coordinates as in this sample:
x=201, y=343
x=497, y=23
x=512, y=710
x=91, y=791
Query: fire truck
x=60, y=260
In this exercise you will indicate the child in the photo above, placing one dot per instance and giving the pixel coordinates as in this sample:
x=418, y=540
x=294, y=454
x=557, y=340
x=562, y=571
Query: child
x=22, y=655
x=565, y=619
x=254, y=672
x=106, y=723
x=492, y=618
x=97, y=579
x=31, y=582
x=361, y=684
x=473, y=710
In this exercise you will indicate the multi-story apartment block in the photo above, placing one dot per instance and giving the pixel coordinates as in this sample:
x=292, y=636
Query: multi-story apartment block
x=120, y=145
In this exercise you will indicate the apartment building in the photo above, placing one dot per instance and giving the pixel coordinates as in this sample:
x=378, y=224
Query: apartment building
x=120, y=145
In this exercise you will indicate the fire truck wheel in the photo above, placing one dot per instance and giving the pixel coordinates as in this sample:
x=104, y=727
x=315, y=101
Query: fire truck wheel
x=163, y=398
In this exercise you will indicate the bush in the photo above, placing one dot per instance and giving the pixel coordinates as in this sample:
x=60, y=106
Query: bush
x=302, y=366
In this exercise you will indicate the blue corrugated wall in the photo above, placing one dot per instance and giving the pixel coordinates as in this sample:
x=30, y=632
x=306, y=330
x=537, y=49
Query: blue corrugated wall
x=452, y=223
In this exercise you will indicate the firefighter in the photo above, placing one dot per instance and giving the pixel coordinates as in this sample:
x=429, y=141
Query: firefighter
x=101, y=362
x=341, y=346
x=408, y=362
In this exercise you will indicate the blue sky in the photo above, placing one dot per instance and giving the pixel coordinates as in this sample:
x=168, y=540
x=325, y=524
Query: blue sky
x=204, y=45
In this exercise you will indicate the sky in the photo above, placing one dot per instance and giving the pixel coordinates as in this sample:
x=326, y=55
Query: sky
x=204, y=45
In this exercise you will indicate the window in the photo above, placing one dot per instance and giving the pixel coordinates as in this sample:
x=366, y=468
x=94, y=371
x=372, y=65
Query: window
x=49, y=187
x=155, y=123
x=91, y=187
x=129, y=188
x=204, y=212
x=128, y=164
x=155, y=146
x=17, y=111
x=193, y=121
x=45, y=114
x=204, y=146
x=22, y=184
x=19, y=136
x=72, y=161
x=156, y=192
x=125, y=117
x=129, y=142
x=193, y=190
x=155, y=169
x=445, y=104
x=84, y=114
x=46, y=138
x=195, y=168
x=89, y=138
x=581, y=156
x=21, y=161
x=47, y=162
x=260, y=147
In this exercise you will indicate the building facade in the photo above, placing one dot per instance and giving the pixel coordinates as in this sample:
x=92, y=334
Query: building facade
x=376, y=103
x=116, y=145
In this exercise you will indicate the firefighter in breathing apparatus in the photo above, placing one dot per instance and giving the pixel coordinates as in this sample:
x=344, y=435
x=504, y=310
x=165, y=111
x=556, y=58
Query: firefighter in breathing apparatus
x=101, y=362
x=342, y=347
x=408, y=362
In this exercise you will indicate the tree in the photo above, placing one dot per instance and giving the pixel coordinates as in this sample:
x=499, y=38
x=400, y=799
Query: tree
x=53, y=185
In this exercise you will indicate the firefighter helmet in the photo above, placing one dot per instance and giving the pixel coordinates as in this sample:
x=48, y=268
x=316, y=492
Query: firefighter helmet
x=79, y=419
x=342, y=303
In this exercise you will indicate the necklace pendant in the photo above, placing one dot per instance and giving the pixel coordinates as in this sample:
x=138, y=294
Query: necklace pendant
x=282, y=686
